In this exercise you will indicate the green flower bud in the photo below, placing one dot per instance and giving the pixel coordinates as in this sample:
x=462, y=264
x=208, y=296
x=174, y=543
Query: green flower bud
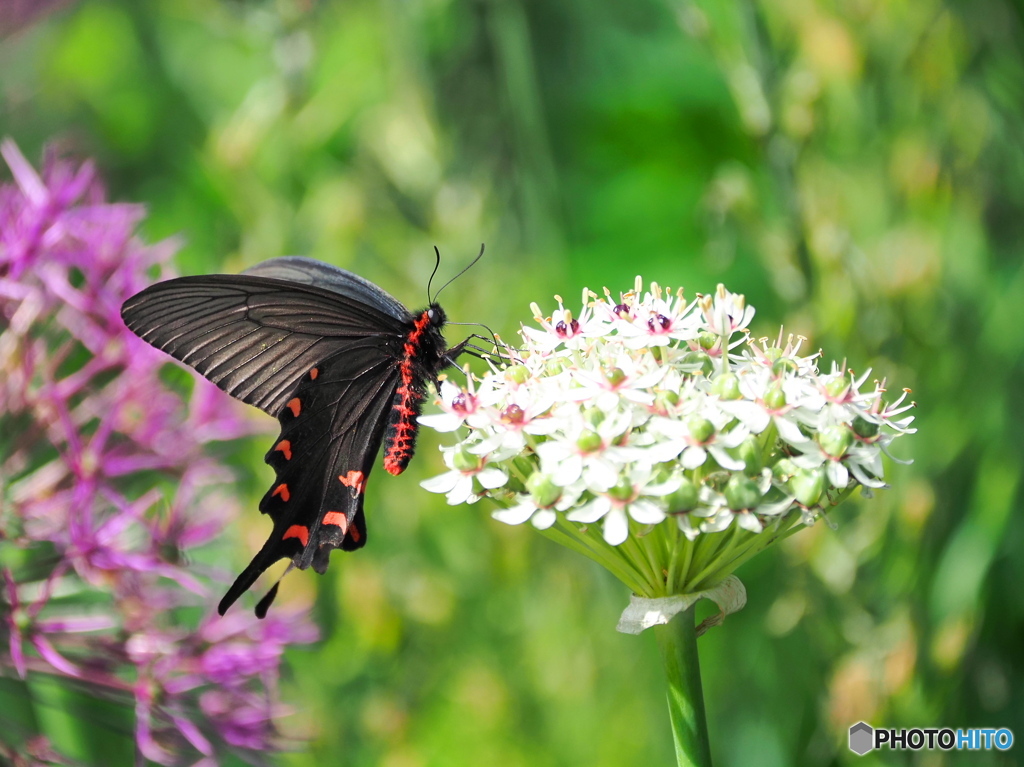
x=553, y=366
x=784, y=365
x=623, y=491
x=515, y=485
x=750, y=453
x=593, y=416
x=701, y=360
x=775, y=398
x=742, y=493
x=466, y=461
x=727, y=386
x=663, y=472
x=838, y=387
x=542, y=490
x=701, y=429
x=615, y=376
x=664, y=400
x=808, y=485
x=684, y=499
x=773, y=353
x=589, y=441
x=706, y=339
x=864, y=428
x=784, y=469
x=518, y=374
x=835, y=440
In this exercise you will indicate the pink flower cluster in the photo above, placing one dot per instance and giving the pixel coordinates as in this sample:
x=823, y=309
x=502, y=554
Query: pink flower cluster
x=106, y=485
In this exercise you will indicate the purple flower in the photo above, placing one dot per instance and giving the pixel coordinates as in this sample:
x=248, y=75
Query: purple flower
x=96, y=434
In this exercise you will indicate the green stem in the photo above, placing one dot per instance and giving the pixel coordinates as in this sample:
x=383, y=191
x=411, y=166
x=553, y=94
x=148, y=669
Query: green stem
x=678, y=642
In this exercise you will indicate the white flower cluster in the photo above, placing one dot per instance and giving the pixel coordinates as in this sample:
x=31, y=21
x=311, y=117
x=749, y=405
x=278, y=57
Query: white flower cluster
x=652, y=410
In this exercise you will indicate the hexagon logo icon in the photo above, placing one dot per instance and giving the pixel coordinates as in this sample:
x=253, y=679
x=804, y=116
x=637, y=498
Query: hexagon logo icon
x=862, y=738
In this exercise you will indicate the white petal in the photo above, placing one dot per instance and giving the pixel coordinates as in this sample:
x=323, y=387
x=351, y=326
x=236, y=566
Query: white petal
x=568, y=471
x=554, y=450
x=862, y=477
x=665, y=450
x=590, y=512
x=462, y=491
x=543, y=519
x=487, y=445
x=693, y=457
x=837, y=474
x=734, y=437
x=725, y=460
x=599, y=476
x=491, y=477
x=776, y=507
x=543, y=426
x=607, y=401
x=442, y=483
x=717, y=523
x=663, y=488
x=442, y=422
x=789, y=431
x=749, y=521
x=688, y=529
x=751, y=414
x=646, y=513
x=515, y=515
x=616, y=527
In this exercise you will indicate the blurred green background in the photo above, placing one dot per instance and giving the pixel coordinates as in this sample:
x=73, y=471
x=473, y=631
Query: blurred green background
x=855, y=167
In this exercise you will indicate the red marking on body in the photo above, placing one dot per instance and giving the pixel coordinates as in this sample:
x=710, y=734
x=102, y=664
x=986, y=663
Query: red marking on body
x=282, y=490
x=285, y=447
x=398, y=451
x=314, y=373
x=338, y=519
x=354, y=479
x=295, y=405
x=297, y=531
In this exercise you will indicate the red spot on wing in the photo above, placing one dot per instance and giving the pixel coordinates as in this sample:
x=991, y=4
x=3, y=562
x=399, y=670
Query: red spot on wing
x=354, y=479
x=336, y=518
x=283, y=491
x=314, y=373
x=297, y=531
x=285, y=447
x=354, y=534
x=295, y=405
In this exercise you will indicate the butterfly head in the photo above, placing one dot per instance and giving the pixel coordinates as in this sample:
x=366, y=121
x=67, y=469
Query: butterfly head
x=436, y=315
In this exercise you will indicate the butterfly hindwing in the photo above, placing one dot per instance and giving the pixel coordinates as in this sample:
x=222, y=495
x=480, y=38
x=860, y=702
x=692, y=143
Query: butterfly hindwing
x=331, y=431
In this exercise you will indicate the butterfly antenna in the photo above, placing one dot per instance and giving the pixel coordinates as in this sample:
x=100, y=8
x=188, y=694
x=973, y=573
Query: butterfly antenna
x=437, y=264
x=471, y=263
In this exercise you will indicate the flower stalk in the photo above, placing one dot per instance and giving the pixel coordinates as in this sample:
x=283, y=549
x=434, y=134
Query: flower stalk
x=677, y=641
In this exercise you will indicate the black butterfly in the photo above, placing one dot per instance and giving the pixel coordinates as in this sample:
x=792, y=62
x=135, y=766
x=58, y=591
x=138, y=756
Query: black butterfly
x=340, y=363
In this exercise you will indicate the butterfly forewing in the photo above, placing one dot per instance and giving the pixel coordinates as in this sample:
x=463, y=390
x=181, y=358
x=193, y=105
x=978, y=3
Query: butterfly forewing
x=252, y=336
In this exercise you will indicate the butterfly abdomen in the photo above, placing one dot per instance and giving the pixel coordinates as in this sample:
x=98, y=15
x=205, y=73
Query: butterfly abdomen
x=421, y=355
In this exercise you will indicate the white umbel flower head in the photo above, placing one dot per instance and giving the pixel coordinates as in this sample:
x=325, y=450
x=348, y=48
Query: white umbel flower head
x=634, y=427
